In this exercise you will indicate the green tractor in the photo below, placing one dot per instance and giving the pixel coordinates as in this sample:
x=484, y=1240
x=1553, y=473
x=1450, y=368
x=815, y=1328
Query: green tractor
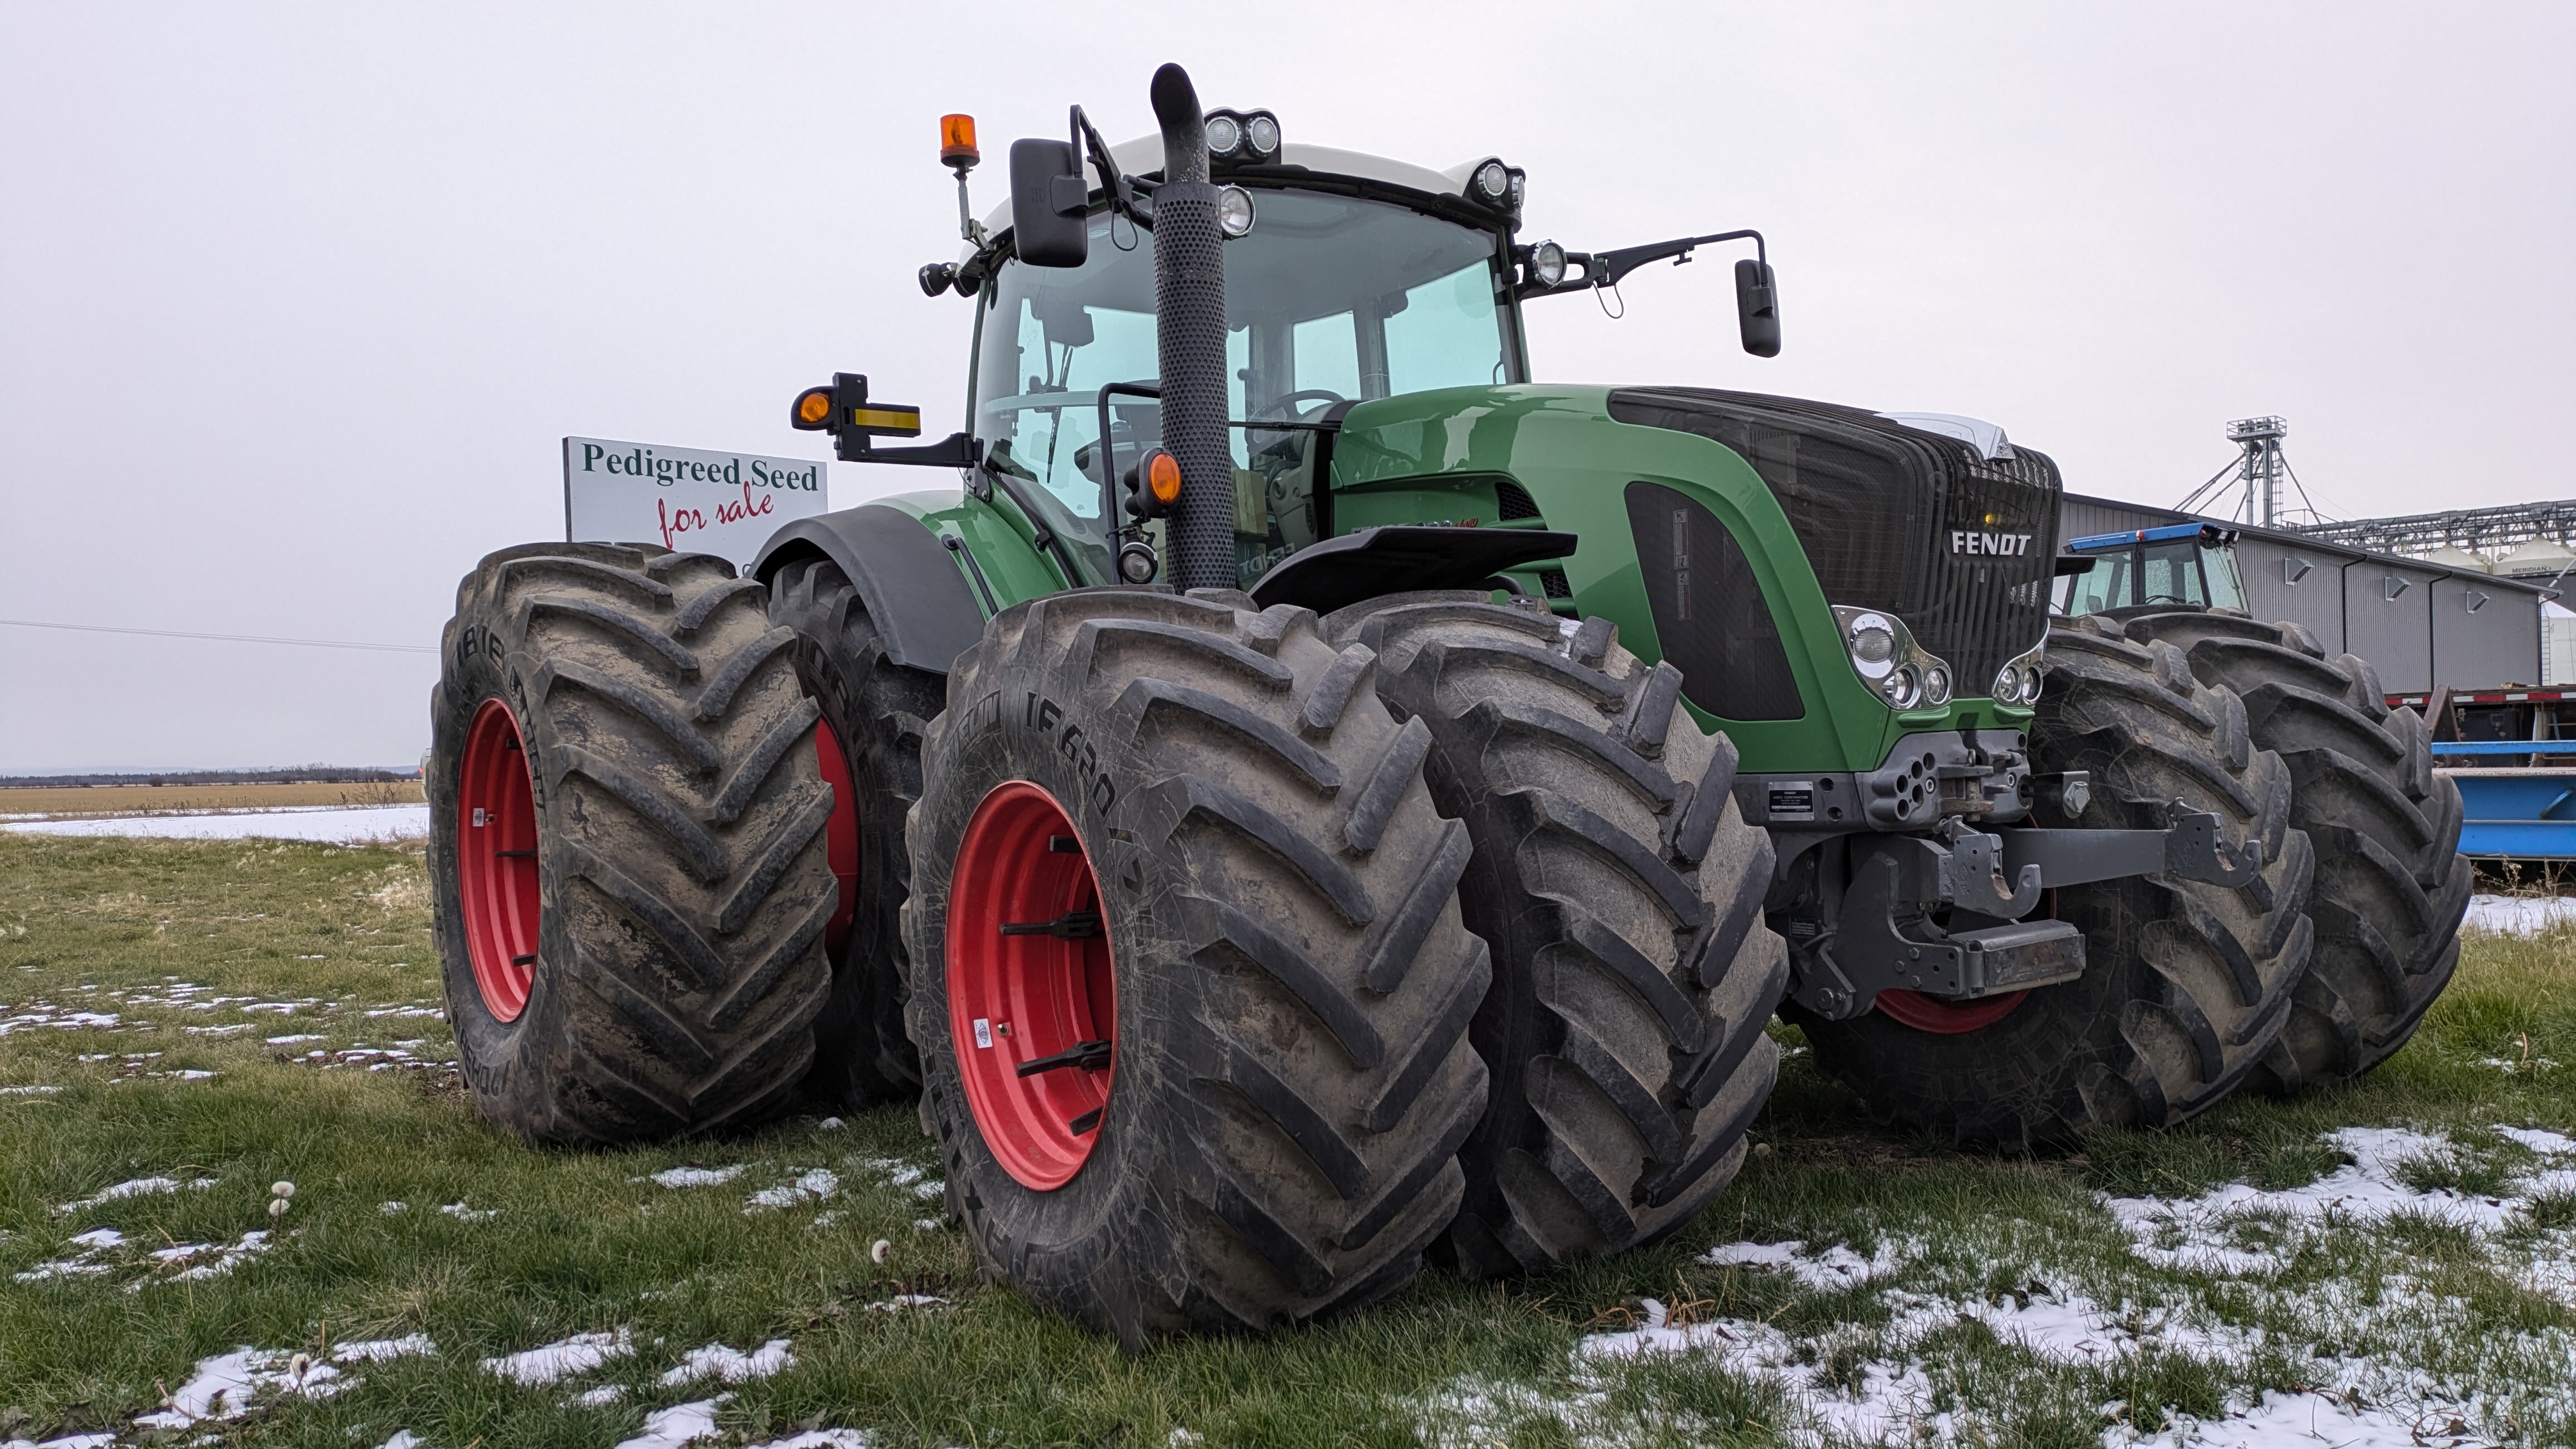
x=1305, y=798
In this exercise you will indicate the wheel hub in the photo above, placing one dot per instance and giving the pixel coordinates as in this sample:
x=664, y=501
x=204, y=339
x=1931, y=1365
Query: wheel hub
x=1032, y=992
x=496, y=860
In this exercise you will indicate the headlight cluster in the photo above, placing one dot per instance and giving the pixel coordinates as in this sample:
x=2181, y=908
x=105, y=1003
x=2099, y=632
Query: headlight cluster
x=2018, y=681
x=1243, y=135
x=1497, y=185
x=1885, y=656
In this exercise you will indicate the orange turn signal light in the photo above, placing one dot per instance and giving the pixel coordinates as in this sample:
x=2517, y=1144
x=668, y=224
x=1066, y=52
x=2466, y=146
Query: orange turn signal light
x=1163, y=477
x=813, y=407
x=957, y=141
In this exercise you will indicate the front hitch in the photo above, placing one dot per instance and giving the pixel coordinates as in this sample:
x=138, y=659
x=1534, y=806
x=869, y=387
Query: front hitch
x=1889, y=931
x=2191, y=847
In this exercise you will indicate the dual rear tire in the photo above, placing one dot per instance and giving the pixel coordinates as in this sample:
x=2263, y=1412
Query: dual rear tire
x=627, y=861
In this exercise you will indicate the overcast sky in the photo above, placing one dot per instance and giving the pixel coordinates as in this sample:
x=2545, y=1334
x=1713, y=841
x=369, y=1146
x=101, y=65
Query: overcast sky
x=295, y=302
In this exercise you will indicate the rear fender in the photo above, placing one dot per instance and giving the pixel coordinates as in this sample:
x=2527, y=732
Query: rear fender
x=907, y=576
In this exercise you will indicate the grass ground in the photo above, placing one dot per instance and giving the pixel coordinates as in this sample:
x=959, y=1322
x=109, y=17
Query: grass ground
x=237, y=1015
x=149, y=799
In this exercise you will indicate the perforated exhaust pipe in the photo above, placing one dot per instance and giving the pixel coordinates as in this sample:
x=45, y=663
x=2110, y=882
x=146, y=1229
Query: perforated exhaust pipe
x=1189, y=340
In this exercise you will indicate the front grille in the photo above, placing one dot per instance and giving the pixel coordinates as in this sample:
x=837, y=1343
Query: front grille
x=1893, y=518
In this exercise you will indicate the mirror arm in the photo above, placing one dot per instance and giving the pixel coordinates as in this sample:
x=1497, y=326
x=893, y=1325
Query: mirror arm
x=957, y=450
x=1125, y=198
x=1617, y=264
x=1605, y=269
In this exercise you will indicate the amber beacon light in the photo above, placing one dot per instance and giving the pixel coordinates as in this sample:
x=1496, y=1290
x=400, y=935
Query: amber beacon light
x=957, y=142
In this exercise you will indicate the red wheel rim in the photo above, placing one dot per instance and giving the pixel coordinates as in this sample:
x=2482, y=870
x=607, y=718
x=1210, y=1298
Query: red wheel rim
x=1944, y=1017
x=496, y=860
x=1039, y=990
x=840, y=834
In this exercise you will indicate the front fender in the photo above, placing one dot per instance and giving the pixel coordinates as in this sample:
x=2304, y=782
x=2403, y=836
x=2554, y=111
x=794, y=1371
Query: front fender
x=907, y=577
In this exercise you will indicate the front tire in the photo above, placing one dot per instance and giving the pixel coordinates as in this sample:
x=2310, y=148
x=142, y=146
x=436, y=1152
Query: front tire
x=2186, y=985
x=1621, y=892
x=1239, y=952
x=2391, y=885
x=626, y=845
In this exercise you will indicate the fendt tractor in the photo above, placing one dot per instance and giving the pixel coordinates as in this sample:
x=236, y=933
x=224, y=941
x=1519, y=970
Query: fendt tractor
x=1308, y=798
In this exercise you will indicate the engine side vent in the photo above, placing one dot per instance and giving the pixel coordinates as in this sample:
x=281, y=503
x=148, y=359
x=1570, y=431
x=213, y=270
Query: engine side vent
x=1710, y=616
x=1553, y=581
x=1512, y=501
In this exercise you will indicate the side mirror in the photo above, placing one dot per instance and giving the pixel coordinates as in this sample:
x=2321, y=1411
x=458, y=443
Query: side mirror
x=1048, y=202
x=1757, y=302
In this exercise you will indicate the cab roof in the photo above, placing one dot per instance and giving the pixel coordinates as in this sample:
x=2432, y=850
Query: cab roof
x=1144, y=154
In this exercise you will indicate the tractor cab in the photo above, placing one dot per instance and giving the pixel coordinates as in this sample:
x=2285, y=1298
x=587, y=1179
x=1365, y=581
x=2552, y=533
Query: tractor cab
x=1348, y=278
x=2181, y=565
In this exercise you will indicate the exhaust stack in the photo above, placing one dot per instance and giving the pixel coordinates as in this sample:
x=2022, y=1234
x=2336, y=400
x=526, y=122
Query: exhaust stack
x=1189, y=309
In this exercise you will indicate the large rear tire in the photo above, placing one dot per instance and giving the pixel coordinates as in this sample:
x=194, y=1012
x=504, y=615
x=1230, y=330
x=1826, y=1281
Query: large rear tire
x=1621, y=893
x=2391, y=885
x=2186, y=985
x=1235, y=940
x=874, y=713
x=626, y=845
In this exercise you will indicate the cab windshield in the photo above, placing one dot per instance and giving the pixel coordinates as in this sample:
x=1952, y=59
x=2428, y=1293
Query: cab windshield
x=1328, y=299
x=2175, y=571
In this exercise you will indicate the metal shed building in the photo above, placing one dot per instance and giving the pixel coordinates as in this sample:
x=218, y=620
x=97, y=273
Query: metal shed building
x=2420, y=625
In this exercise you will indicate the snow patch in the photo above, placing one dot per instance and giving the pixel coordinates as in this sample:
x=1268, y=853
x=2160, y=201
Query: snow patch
x=222, y=1387
x=328, y=825
x=2518, y=915
x=378, y=1350
x=2211, y=1233
x=694, y=1176
x=814, y=1186
x=679, y=1424
x=1830, y=1271
x=464, y=1214
x=133, y=1187
x=732, y=1365
x=563, y=1359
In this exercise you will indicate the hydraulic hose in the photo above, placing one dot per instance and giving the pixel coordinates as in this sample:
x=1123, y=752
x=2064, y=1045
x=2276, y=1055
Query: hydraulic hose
x=1189, y=308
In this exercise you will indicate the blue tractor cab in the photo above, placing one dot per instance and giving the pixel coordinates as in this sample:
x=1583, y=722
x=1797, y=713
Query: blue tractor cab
x=2177, y=564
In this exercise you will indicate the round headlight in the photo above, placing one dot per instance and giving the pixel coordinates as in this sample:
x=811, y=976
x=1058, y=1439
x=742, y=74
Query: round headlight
x=2030, y=684
x=1224, y=133
x=1936, y=685
x=2008, y=685
x=1873, y=646
x=1493, y=180
x=1547, y=264
x=1234, y=211
x=1902, y=687
x=1263, y=133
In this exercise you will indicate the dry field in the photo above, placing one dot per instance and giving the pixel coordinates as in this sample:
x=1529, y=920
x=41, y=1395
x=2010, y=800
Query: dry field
x=156, y=799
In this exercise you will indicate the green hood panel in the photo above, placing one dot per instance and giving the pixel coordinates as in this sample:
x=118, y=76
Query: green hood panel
x=1459, y=454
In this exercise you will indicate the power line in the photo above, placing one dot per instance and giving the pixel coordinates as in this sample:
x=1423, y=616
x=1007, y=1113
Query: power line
x=226, y=638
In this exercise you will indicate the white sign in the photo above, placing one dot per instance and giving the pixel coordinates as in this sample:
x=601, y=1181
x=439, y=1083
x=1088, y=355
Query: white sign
x=727, y=504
